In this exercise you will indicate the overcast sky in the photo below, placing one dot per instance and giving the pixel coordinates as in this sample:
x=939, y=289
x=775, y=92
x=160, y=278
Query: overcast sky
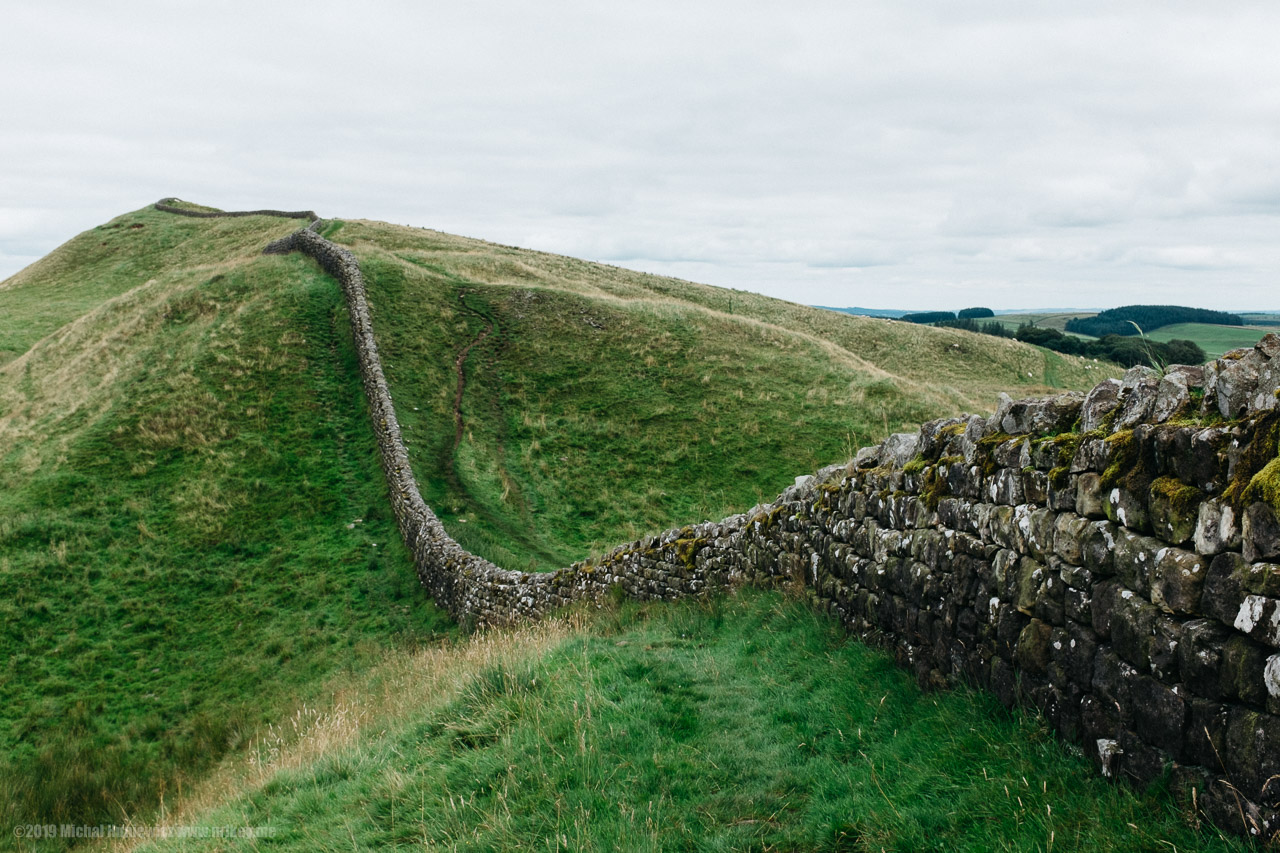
x=880, y=154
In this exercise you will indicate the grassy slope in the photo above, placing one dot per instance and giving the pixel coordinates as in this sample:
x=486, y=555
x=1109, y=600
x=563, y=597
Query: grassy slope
x=740, y=724
x=1044, y=321
x=183, y=442
x=605, y=404
x=1214, y=340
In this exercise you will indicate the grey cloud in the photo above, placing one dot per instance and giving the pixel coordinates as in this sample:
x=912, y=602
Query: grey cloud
x=873, y=153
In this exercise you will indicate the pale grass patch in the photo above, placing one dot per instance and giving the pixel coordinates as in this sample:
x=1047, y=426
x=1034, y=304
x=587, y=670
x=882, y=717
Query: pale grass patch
x=395, y=692
x=79, y=367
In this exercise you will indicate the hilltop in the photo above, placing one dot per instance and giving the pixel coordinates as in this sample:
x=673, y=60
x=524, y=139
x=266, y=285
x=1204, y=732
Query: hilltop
x=194, y=538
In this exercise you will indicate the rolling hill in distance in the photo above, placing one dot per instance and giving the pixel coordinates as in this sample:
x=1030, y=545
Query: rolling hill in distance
x=208, y=614
x=1215, y=338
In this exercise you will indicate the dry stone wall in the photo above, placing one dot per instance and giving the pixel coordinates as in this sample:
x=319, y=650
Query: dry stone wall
x=167, y=207
x=1104, y=557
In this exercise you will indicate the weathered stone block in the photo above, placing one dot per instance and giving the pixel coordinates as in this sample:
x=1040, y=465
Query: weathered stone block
x=1225, y=587
x=1028, y=583
x=1073, y=648
x=1172, y=395
x=1259, y=618
x=1133, y=622
x=1009, y=625
x=1097, y=547
x=1098, y=403
x=1217, y=528
x=1091, y=455
x=1049, y=600
x=1032, y=653
x=1261, y=533
x=1204, y=464
x=1037, y=529
x=1135, y=559
x=935, y=434
x=1042, y=416
x=1271, y=681
x=1105, y=596
x=1165, y=643
x=1174, y=510
x=1159, y=714
x=1200, y=656
x=1236, y=382
x=1126, y=508
x=1137, y=396
x=1242, y=675
x=1005, y=487
x=900, y=448
x=1014, y=453
x=1206, y=732
x=1252, y=754
x=1177, y=580
x=1068, y=531
x=1062, y=494
x=1035, y=487
x=1091, y=497
x=1076, y=605
x=1113, y=681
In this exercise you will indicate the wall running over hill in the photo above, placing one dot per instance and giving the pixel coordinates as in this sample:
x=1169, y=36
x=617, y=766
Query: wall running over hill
x=164, y=205
x=1104, y=558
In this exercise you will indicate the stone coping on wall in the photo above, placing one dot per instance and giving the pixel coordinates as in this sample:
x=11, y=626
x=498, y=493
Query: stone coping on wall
x=1104, y=557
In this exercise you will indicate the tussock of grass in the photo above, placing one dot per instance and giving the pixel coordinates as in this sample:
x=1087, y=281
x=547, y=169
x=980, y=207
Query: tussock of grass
x=741, y=723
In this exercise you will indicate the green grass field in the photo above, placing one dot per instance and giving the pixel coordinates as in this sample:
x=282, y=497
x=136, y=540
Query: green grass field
x=183, y=444
x=1042, y=320
x=195, y=541
x=747, y=723
x=1214, y=340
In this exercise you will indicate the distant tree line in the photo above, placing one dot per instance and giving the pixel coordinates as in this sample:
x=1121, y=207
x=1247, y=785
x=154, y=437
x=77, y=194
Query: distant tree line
x=1122, y=349
x=935, y=317
x=1126, y=350
x=1119, y=321
x=927, y=317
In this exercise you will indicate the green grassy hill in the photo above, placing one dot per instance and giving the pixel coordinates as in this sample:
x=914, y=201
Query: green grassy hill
x=194, y=535
x=1042, y=320
x=183, y=446
x=1214, y=340
x=600, y=404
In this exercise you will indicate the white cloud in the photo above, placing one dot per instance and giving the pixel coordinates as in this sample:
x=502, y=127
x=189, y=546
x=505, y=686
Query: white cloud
x=880, y=154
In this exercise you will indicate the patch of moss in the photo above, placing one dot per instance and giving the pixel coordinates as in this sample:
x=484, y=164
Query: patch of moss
x=1181, y=497
x=934, y=488
x=1265, y=485
x=1125, y=459
x=1060, y=476
x=1257, y=456
x=1065, y=445
x=986, y=451
x=914, y=465
x=687, y=550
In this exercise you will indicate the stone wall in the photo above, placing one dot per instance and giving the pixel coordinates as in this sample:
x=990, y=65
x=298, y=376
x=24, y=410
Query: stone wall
x=164, y=205
x=1101, y=557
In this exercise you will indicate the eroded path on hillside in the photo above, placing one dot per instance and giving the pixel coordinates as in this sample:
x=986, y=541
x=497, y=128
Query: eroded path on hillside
x=460, y=366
